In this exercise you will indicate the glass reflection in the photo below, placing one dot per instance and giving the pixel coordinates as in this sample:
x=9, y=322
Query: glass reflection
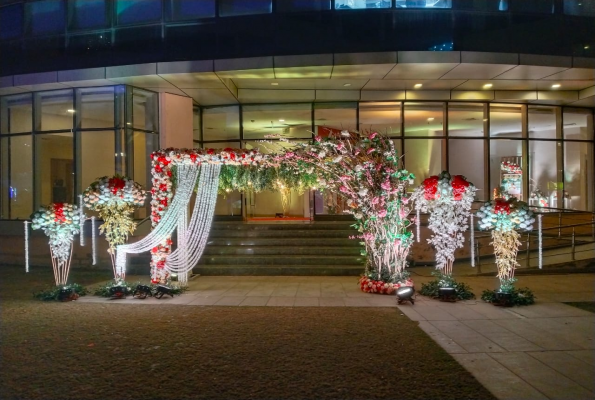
x=277, y=121
x=16, y=115
x=57, y=110
x=424, y=119
x=542, y=122
x=466, y=119
x=97, y=107
x=384, y=118
x=54, y=166
x=220, y=123
x=506, y=120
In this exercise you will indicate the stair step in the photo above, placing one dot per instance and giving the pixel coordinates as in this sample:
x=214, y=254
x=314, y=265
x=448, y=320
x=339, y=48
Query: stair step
x=283, y=233
x=281, y=226
x=268, y=241
x=282, y=250
x=281, y=269
x=275, y=260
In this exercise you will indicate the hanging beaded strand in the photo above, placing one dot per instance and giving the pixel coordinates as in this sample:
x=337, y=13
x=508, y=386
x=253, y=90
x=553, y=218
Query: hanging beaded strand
x=27, y=246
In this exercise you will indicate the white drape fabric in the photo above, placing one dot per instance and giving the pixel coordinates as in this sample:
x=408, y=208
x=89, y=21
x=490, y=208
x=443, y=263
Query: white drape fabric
x=186, y=179
x=193, y=239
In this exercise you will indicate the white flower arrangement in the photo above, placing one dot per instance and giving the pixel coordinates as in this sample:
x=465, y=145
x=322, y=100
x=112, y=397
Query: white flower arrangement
x=505, y=215
x=113, y=191
x=60, y=222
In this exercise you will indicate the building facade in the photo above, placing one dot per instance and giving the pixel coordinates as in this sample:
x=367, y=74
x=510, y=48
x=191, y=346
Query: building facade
x=502, y=91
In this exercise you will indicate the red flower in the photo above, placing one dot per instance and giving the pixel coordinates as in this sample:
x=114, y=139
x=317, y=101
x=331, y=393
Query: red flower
x=169, y=173
x=502, y=206
x=459, y=185
x=210, y=151
x=430, y=187
x=116, y=184
x=193, y=158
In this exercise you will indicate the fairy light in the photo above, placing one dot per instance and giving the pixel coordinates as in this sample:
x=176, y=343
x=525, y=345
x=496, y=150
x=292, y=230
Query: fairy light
x=94, y=240
x=472, y=239
x=81, y=221
x=417, y=230
x=540, y=240
x=27, y=245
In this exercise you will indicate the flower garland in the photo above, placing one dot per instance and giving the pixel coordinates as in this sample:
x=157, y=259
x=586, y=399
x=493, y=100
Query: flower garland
x=510, y=168
x=505, y=218
x=162, y=164
x=115, y=198
x=448, y=198
x=369, y=285
x=60, y=222
x=538, y=198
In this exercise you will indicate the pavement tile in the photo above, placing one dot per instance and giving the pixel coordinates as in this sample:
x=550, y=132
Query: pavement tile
x=277, y=301
x=501, y=336
x=444, y=341
x=230, y=300
x=499, y=380
x=306, y=302
x=357, y=302
x=587, y=356
x=461, y=311
x=545, y=340
x=569, y=366
x=332, y=302
x=410, y=312
x=255, y=301
x=204, y=301
x=466, y=337
x=545, y=379
x=549, y=310
x=577, y=330
x=432, y=313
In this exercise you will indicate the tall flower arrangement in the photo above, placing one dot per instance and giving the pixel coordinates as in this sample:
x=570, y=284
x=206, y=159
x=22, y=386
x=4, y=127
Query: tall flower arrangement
x=115, y=198
x=505, y=218
x=448, y=199
x=365, y=170
x=60, y=222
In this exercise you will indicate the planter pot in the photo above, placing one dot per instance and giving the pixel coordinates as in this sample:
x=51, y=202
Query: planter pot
x=503, y=299
x=67, y=294
x=118, y=292
x=447, y=294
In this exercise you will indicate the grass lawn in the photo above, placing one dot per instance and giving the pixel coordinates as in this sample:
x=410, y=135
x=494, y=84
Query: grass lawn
x=584, y=305
x=52, y=350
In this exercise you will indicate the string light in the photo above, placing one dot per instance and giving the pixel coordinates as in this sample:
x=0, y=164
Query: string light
x=81, y=221
x=540, y=240
x=417, y=215
x=93, y=240
x=27, y=246
x=472, y=239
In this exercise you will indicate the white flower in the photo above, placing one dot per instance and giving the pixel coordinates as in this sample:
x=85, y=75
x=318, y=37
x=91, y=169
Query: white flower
x=337, y=159
x=345, y=133
x=363, y=192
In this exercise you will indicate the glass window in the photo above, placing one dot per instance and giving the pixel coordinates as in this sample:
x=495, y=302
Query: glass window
x=191, y=9
x=97, y=107
x=138, y=11
x=482, y=5
x=98, y=154
x=507, y=167
x=424, y=3
x=424, y=158
x=4, y=181
x=144, y=109
x=579, y=7
x=11, y=21
x=20, y=176
x=578, y=124
x=542, y=122
x=277, y=121
x=466, y=119
x=424, y=119
x=221, y=145
x=196, y=124
x=578, y=176
x=56, y=110
x=88, y=14
x=46, y=16
x=332, y=118
x=143, y=145
x=471, y=165
x=230, y=8
x=384, y=118
x=17, y=113
x=54, y=168
x=354, y=4
x=543, y=173
x=532, y=6
x=303, y=5
x=220, y=123
x=506, y=120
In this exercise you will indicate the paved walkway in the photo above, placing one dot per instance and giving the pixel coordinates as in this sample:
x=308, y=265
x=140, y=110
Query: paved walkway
x=543, y=351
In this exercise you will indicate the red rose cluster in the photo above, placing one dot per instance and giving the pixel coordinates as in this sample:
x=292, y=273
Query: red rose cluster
x=430, y=187
x=116, y=184
x=368, y=285
x=502, y=206
x=59, y=216
x=459, y=186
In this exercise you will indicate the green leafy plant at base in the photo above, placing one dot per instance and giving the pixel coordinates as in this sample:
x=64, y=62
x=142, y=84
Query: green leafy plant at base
x=432, y=288
x=53, y=293
x=104, y=290
x=519, y=297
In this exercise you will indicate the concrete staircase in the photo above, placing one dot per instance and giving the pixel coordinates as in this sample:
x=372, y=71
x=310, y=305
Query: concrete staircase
x=320, y=248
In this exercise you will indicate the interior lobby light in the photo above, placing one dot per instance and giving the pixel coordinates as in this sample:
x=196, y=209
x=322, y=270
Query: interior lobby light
x=274, y=83
x=70, y=110
x=281, y=120
x=347, y=84
x=417, y=85
x=556, y=86
x=487, y=86
x=431, y=119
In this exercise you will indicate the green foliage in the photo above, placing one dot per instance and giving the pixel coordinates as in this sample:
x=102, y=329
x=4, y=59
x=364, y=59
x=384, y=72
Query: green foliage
x=261, y=178
x=104, y=290
x=385, y=277
x=51, y=294
x=432, y=288
x=519, y=297
x=507, y=285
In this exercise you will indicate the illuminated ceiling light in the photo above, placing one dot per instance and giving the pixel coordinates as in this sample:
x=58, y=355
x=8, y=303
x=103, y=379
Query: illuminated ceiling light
x=281, y=120
x=274, y=83
x=430, y=119
x=485, y=120
x=556, y=86
x=586, y=47
x=70, y=110
x=128, y=123
x=347, y=84
x=487, y=86
x=417, y=85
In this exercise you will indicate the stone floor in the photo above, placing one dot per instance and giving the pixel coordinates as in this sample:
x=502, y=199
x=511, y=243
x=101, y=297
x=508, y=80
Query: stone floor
x=543, y=351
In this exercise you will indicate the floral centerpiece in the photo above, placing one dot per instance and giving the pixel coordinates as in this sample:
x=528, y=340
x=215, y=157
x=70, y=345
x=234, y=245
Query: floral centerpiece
x=365, y=171
x=115, y=199
x=60, y=222
x=505, y=218
x=448, y=199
